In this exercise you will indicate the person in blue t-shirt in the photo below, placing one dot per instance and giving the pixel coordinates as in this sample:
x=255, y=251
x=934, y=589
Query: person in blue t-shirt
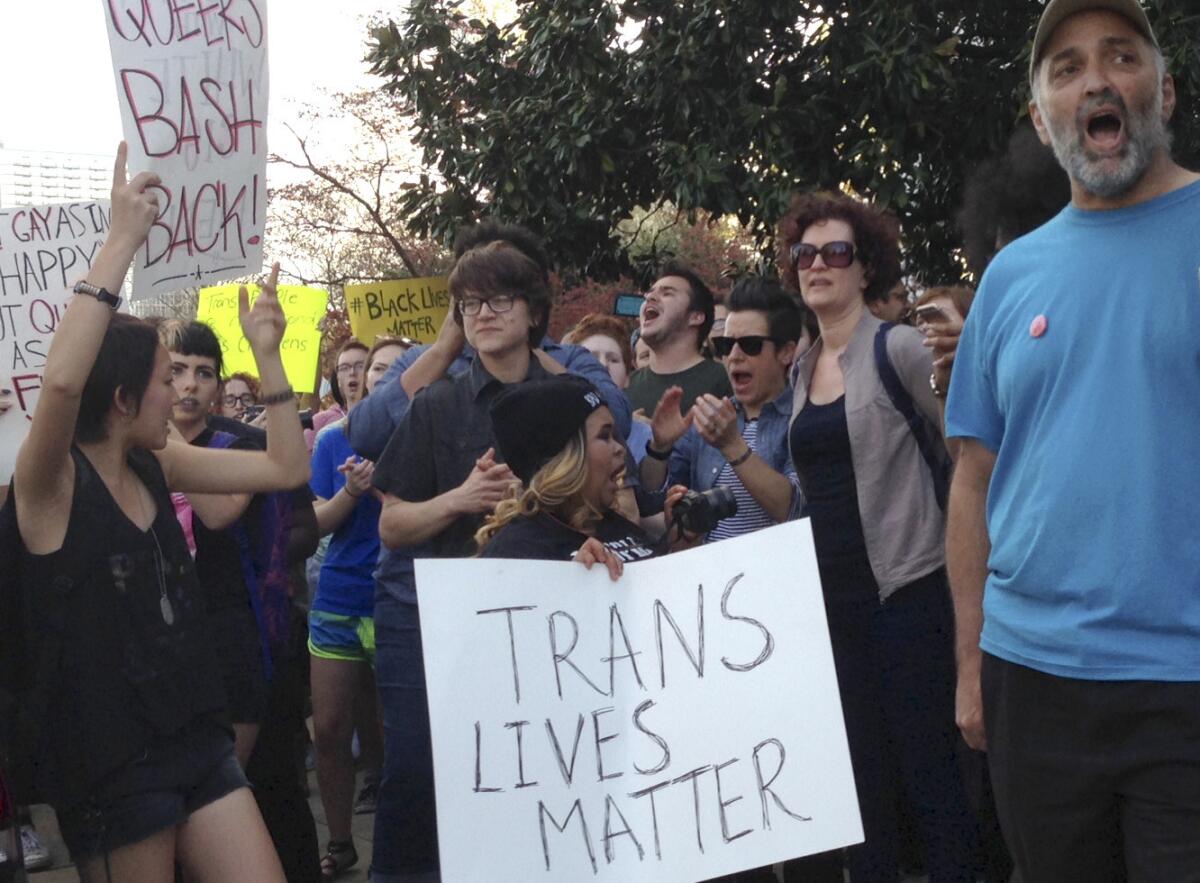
x=1076, y=393
x=341, y=623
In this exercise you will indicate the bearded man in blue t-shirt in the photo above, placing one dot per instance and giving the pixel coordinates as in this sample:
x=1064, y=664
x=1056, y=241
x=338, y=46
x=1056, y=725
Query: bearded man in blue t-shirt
x=1071, y=538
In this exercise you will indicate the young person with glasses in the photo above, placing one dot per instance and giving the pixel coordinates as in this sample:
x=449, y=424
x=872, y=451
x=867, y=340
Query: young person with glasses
x=878, y=526
x=239, y=392
x=741, y=441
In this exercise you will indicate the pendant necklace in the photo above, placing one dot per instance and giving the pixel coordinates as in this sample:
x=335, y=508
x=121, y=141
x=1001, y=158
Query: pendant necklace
x=164, y=602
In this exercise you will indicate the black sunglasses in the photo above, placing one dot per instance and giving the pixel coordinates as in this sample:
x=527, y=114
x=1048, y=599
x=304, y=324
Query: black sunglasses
x=751, y=344
x=836, y=255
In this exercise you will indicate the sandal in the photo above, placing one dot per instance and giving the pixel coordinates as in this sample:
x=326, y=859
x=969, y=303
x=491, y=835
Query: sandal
x=338, y=858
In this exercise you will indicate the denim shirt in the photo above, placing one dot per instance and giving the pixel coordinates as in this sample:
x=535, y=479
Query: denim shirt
x=696, y=464
x=373, y=420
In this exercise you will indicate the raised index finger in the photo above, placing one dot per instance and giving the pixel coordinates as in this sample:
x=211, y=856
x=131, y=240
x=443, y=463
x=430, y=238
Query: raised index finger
x=120, y=175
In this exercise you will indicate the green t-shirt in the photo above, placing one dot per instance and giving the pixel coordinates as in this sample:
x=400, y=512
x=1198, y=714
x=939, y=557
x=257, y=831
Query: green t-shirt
x=646, y=387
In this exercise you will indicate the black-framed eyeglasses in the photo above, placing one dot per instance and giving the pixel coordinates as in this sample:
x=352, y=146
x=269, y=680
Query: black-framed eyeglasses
x=245, y=400
x=497, y=303
x=751, y=344
x=836, y=255
x=352, y=368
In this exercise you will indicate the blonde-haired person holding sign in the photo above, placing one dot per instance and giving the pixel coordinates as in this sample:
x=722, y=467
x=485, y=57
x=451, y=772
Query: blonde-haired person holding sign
x=133, y=750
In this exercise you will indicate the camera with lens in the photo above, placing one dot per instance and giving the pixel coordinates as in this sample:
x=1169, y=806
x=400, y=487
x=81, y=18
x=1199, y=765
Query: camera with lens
x=699, y=512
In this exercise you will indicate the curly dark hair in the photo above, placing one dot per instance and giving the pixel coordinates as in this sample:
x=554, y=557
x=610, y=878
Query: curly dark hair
x=876, y=237
x=1008, y=195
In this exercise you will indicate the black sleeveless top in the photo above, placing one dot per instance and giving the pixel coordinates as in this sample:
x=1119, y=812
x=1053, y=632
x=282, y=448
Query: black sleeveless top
x=820, y=443
x=134, y=662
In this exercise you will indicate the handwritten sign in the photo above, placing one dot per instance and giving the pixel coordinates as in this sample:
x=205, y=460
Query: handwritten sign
x=681, y=723
x=192, y=85
x=301, y=346
x=44, y=251
x=412, y=308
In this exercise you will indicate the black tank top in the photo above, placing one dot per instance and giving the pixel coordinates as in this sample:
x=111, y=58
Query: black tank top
x=134, y=663
x=820, y=443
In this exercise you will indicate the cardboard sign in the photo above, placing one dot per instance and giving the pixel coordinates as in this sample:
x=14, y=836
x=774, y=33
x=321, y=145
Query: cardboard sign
x=192, y=85
x=301, y=346
x=679, y=724
x=44, y=251
x=412, y=308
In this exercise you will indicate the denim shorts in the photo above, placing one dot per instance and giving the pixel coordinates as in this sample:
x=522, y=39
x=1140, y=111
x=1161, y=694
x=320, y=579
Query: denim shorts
x=158, y=790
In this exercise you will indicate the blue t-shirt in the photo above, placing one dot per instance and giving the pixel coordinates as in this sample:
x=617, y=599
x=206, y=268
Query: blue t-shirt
x=1094, y=504
x=346, y=586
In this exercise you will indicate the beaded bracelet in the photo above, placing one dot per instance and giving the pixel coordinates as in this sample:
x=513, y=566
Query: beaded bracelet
x=278, y=398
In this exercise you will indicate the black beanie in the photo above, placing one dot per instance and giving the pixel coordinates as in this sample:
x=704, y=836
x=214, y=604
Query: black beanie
x=533, y=421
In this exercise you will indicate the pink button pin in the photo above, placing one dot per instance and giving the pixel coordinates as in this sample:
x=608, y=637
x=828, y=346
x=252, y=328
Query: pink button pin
x=1038, y=326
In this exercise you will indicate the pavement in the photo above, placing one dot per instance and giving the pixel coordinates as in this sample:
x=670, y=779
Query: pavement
x=63, y=871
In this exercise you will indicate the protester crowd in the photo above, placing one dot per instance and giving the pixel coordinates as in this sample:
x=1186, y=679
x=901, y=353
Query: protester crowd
x=994, y=486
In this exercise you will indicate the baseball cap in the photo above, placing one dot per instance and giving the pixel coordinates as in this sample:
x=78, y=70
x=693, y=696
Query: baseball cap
x=1057, y=10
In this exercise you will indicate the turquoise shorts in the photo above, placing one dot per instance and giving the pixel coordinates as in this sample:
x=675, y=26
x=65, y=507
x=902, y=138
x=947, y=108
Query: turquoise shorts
x=346, y=638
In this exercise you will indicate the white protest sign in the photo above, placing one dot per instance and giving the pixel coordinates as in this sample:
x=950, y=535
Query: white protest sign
x=681, y=723
x=192, y=85
x=44, y=251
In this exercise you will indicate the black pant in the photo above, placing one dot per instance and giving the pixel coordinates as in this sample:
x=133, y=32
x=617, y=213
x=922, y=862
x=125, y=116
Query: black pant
x=895, y=670
x=1094, y=780
x=276, y=764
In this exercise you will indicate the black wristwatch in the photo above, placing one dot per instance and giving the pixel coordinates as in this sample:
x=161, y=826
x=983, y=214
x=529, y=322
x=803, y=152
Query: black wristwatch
x=101, y=294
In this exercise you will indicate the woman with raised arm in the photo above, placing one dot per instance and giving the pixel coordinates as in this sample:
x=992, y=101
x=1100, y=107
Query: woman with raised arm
x=133, y=750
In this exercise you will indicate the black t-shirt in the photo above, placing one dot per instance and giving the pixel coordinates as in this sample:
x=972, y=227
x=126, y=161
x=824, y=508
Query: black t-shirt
x=542, y=537
x=218, y=559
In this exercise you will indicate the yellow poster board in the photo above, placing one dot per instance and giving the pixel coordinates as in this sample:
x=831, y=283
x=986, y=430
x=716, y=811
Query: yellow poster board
x=301, y=345
x=412, y=308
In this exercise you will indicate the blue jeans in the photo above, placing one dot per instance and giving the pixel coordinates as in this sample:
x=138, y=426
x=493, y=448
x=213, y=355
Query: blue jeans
x=406, y=819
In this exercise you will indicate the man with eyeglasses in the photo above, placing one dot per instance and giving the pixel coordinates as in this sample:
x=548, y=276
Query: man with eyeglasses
x=741, y=441
x=1071, y=542
x=405, y=829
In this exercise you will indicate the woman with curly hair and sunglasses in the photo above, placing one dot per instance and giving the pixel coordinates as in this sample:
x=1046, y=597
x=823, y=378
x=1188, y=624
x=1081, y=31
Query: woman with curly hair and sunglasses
x=866, y=441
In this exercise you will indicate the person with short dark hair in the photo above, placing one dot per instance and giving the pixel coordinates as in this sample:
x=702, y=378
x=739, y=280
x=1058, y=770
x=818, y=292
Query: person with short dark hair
x=1073, y=560
x=676, y=316
x=406, y=838
x=738, y=442
x=210, y=522
x=866, y=442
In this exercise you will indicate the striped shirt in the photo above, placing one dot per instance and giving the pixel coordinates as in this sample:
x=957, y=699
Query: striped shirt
x=750, y=516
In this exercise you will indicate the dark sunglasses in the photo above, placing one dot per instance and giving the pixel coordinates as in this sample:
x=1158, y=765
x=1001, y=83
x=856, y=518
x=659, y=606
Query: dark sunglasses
x=836, y=255
x=751, y=344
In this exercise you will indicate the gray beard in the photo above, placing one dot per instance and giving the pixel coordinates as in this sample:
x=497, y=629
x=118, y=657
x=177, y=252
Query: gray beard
x=1146, y=134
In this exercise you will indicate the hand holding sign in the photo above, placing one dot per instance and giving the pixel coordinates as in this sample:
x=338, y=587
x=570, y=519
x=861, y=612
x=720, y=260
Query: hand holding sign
x=263, y=324
x=134, y=205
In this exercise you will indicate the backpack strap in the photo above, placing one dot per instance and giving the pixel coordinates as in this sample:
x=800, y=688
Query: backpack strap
x=933, y=453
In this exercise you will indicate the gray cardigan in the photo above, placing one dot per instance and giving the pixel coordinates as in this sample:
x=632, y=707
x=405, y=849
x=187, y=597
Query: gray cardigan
x=902, y=523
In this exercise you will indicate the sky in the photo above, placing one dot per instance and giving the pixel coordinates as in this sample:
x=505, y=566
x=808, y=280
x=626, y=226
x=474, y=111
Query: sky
x=58, y=90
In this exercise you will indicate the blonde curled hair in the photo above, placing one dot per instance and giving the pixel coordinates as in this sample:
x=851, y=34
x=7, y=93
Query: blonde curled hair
x=556, y=488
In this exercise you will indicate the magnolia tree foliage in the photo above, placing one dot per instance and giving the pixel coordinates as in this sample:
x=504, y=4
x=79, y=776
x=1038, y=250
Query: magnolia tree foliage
x=578, y=114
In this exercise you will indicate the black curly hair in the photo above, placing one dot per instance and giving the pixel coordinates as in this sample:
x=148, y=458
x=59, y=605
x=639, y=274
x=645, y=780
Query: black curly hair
x=1008, y=195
